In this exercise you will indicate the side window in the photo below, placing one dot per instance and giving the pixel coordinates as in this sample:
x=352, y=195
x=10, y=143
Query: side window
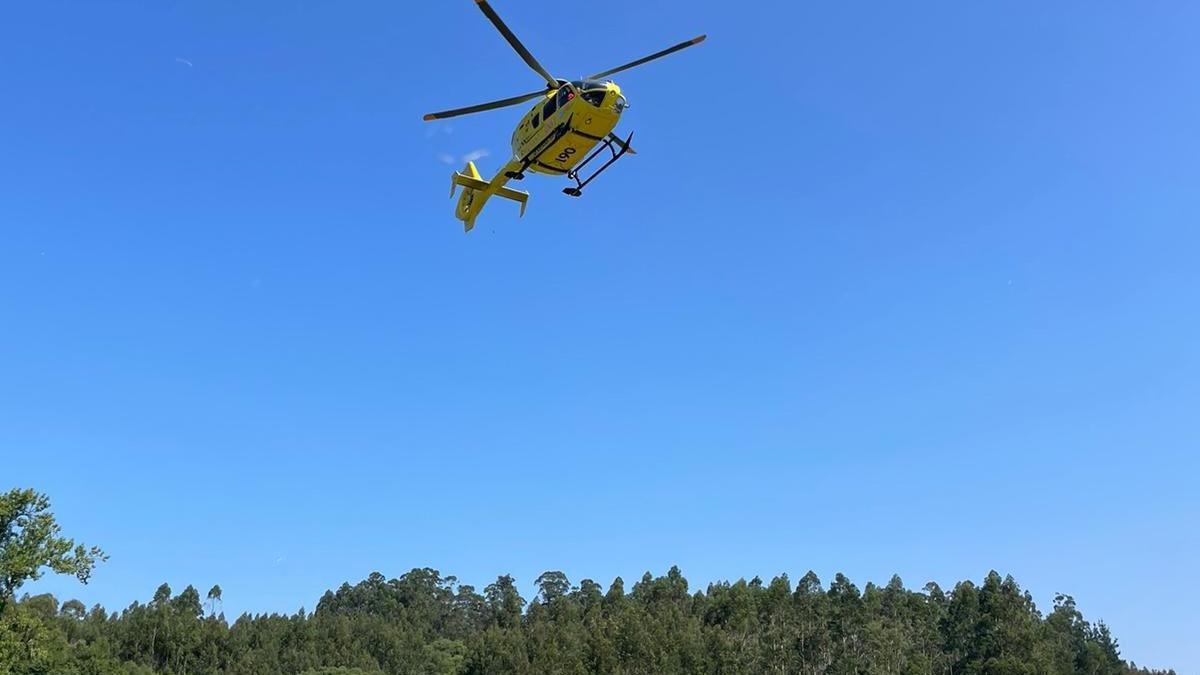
x=564, y=95
x=534, y=121
x=549, y=108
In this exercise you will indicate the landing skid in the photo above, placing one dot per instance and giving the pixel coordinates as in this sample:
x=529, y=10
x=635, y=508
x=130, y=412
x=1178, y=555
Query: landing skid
x=613, y=145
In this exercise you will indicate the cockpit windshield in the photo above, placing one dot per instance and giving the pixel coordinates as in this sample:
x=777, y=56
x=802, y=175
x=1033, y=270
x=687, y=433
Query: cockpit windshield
x=595, y=97
x=592, y=91
x=584, y=85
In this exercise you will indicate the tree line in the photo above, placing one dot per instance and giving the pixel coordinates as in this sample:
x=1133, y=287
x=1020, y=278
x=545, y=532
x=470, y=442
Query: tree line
x=425, y=622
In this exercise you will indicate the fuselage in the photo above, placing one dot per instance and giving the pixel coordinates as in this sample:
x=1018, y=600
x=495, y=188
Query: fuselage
x=564, y=126
x=553, y=138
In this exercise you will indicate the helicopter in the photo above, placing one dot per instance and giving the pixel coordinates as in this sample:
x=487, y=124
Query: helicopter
x=570, y=126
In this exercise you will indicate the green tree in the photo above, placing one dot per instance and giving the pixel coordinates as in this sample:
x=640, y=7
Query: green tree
x=504, y=602
x=74, y=610
x=30, y=543
x=213, y=597
x=552, y=586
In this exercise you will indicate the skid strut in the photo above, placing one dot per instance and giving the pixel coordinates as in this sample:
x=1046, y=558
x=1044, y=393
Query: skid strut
x=614, y=145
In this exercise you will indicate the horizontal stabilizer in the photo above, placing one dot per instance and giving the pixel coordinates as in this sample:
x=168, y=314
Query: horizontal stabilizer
x=476, y=192
x=471, y=183
x=466, y=181
x=518, y=196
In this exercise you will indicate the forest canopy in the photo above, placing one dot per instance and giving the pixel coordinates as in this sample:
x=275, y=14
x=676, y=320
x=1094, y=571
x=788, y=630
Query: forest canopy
x=424, y=622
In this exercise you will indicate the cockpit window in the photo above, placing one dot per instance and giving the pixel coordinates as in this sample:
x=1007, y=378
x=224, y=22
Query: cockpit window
x=549, y=108
x=595, y=97
x=584, y=85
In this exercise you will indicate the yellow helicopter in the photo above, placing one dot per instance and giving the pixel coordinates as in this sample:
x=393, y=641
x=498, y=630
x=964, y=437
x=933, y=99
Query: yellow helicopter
x=571, y=124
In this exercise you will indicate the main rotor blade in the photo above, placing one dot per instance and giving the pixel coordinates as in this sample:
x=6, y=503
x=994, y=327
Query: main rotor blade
x=647, y=59
x=516, y=44
x=502, y=103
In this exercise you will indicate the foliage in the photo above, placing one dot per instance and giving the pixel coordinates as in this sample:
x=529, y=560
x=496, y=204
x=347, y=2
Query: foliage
x=30, y=544
x=423, y=622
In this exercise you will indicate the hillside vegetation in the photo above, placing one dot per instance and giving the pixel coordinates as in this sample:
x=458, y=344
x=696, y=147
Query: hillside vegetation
x=424, y=622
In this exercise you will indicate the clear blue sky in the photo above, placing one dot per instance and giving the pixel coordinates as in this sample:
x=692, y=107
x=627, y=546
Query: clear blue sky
x=889, y=287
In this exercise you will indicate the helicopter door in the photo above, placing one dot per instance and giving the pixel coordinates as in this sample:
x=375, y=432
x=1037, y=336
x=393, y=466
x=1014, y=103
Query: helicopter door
x=558, y=102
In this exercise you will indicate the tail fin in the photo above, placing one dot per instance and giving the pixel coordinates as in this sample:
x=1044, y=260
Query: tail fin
x=476, y=192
